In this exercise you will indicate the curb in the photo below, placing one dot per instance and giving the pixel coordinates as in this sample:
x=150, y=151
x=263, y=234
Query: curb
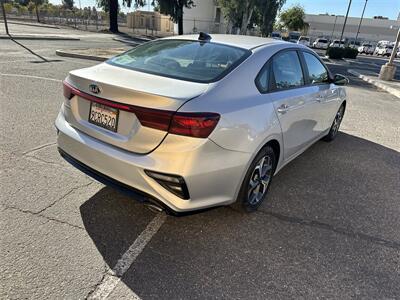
x=44, y=25
x=126, y=41
x=394, y=91
x=38, y=38
x=82, y=56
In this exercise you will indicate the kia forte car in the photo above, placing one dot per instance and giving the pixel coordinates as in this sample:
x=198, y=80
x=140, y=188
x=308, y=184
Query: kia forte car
x=196, y=121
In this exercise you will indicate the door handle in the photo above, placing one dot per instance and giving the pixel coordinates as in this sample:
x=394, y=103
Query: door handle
x=283, y=108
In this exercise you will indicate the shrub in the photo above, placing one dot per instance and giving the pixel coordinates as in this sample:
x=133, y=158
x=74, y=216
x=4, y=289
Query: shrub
x=350, y=52
x=335, y=53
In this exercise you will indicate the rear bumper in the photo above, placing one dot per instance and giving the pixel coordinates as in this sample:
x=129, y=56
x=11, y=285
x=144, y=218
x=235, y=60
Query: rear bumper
x=212, y=174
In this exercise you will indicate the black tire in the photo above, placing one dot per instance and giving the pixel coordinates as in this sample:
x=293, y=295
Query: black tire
x=333, y=131
x=250, y=198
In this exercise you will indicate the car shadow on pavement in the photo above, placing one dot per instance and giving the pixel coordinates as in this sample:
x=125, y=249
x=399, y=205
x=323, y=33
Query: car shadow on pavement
x=336, y=202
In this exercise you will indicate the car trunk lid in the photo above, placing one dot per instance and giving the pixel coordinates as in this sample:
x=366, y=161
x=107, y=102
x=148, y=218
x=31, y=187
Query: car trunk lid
x=136, y=101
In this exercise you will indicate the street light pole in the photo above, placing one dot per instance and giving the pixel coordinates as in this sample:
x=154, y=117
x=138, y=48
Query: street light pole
x=4, y=16
x=345, y=21
x=359, y=25
x=334, y=25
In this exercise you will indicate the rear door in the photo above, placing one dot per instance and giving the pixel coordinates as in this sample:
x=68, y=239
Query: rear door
x=294, y=102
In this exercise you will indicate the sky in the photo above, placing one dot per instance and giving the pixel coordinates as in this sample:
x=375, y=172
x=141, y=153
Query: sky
x=386, y=8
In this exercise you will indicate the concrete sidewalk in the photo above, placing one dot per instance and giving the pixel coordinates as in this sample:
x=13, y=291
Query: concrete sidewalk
x=392, y=87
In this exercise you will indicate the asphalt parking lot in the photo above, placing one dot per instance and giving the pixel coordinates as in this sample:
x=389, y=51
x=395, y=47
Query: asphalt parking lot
x=330, y=227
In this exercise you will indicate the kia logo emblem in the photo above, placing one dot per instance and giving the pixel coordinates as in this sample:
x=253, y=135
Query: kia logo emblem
x=94, y=88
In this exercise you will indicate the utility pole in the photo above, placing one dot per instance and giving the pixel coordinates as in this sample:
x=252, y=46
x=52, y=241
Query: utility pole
x=4, y=16
x=359, y=25
x=345, y=21
x=334, y=25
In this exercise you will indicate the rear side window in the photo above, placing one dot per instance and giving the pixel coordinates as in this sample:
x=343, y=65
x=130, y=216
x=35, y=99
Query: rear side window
x=183, y=59
x=316, y=70
x=287, y=70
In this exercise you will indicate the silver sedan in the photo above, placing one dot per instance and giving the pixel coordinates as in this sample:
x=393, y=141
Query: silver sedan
x=191, y=122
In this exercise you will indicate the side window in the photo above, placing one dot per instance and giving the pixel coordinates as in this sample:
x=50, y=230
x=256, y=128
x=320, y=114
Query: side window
x=287, y=70
x=316, y=71
x=262, y=80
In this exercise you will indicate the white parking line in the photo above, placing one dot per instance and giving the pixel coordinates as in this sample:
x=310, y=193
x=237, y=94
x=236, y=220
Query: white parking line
x=113, y=277
x=30, y=76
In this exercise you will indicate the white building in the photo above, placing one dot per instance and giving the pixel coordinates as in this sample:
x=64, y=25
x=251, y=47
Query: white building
x=204, y=16
x=370, y=30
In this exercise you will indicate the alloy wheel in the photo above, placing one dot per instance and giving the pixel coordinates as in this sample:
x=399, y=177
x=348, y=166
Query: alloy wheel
x=259, y=180
x=337, y=121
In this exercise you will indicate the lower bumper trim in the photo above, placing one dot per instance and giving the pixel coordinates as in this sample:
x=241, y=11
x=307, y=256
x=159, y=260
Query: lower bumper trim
x=106, y=180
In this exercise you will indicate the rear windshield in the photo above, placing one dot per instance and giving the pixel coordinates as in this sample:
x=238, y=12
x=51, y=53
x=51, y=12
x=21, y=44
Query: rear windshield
x=322, y=41
x=181, y=59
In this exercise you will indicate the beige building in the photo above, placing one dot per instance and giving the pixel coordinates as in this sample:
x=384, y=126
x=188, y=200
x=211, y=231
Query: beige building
x=150, y=20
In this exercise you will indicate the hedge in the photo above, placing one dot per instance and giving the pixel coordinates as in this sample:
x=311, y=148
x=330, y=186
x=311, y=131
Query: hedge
x=338, y=53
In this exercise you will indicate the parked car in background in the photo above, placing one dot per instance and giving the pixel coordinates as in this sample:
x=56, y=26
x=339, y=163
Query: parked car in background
x=304, y=40
x=337, y=44
x=276, y=35
x=366, y=48
x=196, y=121
x=294, y=36
x=384, y=50
x=354, y=44
x=321, y=43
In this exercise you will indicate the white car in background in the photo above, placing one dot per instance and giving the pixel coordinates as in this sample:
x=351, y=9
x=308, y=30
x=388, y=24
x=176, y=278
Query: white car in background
x=337, y=44
x=195, y=121
x=384, y=50
x=304, y=40
x=366, y=48
x=321, y=43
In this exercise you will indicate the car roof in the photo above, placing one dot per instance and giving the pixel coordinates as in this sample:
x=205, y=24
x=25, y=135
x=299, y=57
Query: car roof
x=242, y=41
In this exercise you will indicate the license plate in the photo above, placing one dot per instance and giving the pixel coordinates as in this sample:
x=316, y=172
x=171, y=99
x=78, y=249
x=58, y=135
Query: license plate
x=104, y=116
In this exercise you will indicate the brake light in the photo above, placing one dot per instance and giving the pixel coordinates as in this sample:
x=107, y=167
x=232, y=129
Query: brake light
x=198, y=125
x=67, y=91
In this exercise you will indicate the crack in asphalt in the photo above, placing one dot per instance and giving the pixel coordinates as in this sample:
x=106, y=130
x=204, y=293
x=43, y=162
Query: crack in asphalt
x=41, y=160
x=33, y=150
x=40, y=212
x=29, y=212
x=326, y=226
x=64, y=196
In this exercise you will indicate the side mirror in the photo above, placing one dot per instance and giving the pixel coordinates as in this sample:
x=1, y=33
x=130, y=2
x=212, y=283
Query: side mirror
x=339, y=79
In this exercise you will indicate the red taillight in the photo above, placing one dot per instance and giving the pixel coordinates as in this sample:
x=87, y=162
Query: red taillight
x=67, y=90
x=198, y=125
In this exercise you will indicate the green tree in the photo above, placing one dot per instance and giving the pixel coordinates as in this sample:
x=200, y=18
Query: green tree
x=112, y=7
x=68, y=4
x=267, y=11
x=173, y=8
x=293, y=18
x=248, y=13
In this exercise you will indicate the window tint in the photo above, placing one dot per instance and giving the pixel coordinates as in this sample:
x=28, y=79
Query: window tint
x=287, y=70
x=316, y=71
x=187, y=60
